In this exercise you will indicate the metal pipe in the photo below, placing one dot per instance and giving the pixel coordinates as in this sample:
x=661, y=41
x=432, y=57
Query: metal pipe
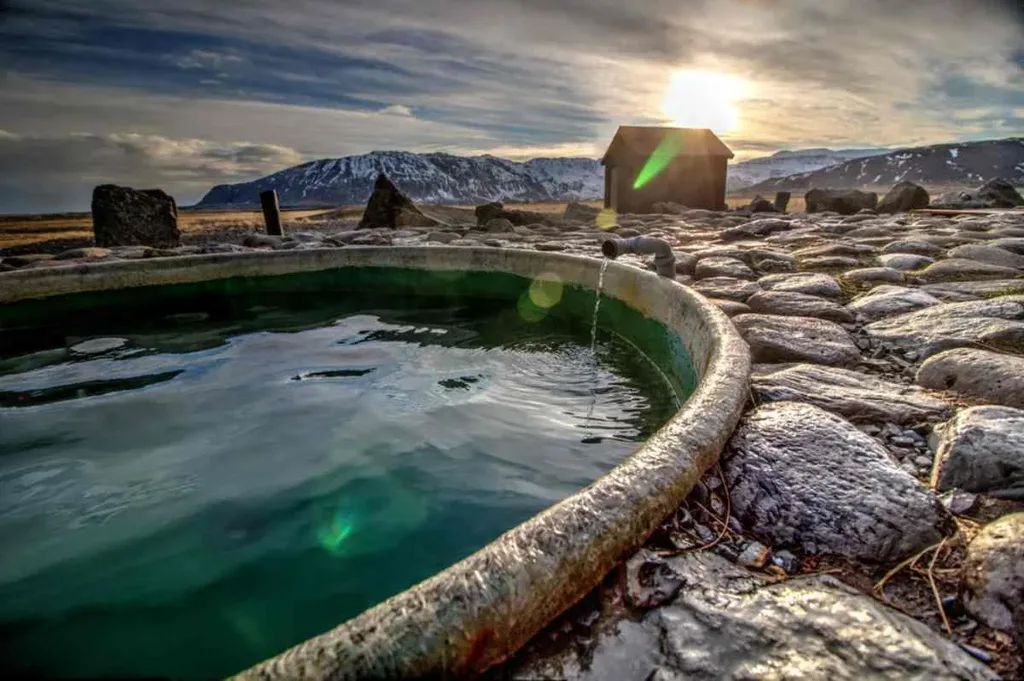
x=664, y=259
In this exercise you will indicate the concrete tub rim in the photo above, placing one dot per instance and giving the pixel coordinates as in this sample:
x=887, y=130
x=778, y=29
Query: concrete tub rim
x=478, y=611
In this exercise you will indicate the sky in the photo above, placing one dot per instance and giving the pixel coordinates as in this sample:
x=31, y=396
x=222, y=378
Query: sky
x=187, y=94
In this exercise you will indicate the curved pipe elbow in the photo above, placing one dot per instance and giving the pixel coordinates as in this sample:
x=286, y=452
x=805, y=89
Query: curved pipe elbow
x=664, y=259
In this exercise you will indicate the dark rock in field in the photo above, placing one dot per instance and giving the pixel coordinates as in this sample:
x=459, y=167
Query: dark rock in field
x=996, y=193
x=903, y=197
x=122, y=216
x=760, y=205
x=982, y=450
x=999, y=193
x=804, y=478
x=581, y=212
x=990, y=376
x=730, y=623
x=842, y=201
x=995, y=322
x=857, y=397
x=994, y=575
x=389, y=207
x=782, y=201
x=490, y=211
x=796, y=339
x=499, y=225
x=798, y=305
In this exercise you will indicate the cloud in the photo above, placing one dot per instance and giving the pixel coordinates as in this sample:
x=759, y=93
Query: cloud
x=512, y=76
x=62, y=169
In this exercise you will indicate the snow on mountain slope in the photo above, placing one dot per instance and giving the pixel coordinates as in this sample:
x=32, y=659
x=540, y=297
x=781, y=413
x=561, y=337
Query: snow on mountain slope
x=785, y=163
x=963, y=164
x=427, y=178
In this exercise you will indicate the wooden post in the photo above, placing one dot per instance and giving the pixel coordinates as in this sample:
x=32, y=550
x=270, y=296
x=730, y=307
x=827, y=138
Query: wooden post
x=781, y=201
x=271, y=212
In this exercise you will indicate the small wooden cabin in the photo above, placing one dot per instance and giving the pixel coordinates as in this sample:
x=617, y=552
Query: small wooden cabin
x=646, y=165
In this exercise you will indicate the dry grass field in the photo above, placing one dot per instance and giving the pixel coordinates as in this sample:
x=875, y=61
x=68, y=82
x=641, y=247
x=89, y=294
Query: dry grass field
x=19, y=230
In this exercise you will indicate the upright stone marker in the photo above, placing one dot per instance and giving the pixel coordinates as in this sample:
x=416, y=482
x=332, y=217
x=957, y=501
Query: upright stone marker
x=271, y=212
x=782, y=201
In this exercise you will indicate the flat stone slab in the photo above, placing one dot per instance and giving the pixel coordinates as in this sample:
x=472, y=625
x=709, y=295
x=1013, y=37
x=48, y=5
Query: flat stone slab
x=803, y=478
x=798, y=305
x=870, y=275
x=959, y=291
x=857, y=397
x=912, y=246
x=813, y=284
x=796, y=339
x=905, y=262
x=989, y=376
x=727, y=623
x=995, y=322
x=986, y=253
x=954, y=269
x=982, y=450
x=727, y=288
x=994, y=575
x=888, y=301
x=723, y=267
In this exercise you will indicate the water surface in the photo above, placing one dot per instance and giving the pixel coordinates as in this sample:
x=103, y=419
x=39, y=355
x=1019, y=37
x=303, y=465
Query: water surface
x=185, y=493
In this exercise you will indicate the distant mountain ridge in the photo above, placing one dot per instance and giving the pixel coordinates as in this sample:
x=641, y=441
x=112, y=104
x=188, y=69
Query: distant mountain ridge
x=435, y=178
x=439, y=178
x=785, y=163
x=963, y=164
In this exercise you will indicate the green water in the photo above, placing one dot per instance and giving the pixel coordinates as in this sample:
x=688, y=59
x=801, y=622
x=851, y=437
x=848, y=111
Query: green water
x=194, y=478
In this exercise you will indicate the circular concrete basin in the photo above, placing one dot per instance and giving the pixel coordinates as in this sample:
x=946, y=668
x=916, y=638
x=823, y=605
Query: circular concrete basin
x=478, y=611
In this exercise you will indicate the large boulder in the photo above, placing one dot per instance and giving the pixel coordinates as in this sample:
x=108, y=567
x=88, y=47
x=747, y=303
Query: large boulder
x=982, y=450
x=996, y=193
x=903, y=197
x=804, y=478
x=774, y=338
x=726, y=622
x=760, y=205
x=122, y=216
x=494, y=210
x=842, y=201
x=581, y=212
x=389, y=207
x=855, y=396
x=994, y=575
x=990, y=376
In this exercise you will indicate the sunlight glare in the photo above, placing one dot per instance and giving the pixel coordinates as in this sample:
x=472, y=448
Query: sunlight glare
x=703, y=99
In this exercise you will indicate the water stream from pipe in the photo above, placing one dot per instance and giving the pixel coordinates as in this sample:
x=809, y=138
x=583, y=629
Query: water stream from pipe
x=590, y=437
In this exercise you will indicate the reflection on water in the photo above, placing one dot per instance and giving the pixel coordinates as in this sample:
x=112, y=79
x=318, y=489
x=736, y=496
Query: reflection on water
x=187, y=493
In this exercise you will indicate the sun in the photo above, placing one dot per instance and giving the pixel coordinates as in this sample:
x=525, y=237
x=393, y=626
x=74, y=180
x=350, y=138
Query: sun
x=703, y=99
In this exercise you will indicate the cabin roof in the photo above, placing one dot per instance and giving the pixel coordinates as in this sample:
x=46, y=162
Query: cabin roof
x=641, y=141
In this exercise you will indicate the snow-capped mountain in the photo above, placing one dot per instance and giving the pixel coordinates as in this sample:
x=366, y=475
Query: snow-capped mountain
x=785, y=163
x=427, y=178
x=963, y=164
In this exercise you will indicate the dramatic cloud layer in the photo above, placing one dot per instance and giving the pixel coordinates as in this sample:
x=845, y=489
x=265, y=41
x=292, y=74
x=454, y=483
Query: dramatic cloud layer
x=187, y=94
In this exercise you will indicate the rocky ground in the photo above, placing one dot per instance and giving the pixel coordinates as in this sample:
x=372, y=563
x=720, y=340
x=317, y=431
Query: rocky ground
x=865, y=520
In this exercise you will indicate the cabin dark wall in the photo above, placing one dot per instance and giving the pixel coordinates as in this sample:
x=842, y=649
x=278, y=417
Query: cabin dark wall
x=693, y=181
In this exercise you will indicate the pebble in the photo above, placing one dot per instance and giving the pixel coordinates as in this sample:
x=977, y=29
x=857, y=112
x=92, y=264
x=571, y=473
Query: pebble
x=754, y=555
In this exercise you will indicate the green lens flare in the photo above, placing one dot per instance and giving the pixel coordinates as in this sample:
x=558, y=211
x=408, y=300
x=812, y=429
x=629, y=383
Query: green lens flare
x=334, y=535
x=663, y=155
